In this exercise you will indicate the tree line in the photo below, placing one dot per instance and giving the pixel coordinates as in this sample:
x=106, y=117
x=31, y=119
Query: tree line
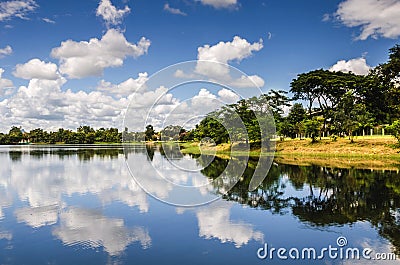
x=83, y=135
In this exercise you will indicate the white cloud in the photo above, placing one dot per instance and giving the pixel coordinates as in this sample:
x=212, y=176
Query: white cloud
x=174, y=11
x=228, y=96
x=44, y=104
x=92, y=229
x=125, y=88
x=225, y=52
x=5, y=51
x=248, y=81
x=377, y=18
x=110, y=14
x=220, y=3
x=48, y=20
x=357, y=66
x=16, y=8
x=36, y=68
x=90, y=58
x=5, y=84
x=222, y=54
x=326, y=17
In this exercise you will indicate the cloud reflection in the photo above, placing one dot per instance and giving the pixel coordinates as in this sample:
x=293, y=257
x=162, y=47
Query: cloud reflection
x=215, y=222
x=91, y=229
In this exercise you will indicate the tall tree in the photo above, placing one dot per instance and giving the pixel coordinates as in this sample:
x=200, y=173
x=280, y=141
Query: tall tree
x=149, y=132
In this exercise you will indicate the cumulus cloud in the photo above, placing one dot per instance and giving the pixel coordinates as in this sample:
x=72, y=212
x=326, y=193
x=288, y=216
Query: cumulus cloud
x=110, y=14
x=222, y=54
x=44, y=104
x=174, y=11
x=90, y=58
x=220, y=3
x=5, y=84
x=16, y=8
x=377, y=18
x=228, y=96
x=36, y=68
x=5, y=51
x=357, y=66
x=125, y=88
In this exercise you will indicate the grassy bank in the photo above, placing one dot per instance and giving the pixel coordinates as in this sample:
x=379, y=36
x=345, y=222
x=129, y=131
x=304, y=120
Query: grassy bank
x=375, y=153
x=361, y=147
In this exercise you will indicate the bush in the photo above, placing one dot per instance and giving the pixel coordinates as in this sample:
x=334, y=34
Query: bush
x=395, y=130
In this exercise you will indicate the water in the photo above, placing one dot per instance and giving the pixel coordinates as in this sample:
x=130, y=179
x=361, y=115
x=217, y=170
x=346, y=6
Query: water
x=80, y=205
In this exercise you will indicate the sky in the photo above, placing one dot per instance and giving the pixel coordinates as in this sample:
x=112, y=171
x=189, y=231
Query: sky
x=72, y=63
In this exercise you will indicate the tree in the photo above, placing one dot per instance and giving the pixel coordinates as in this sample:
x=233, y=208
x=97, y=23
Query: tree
x=149, y=132
x=212, y=128
x=386, y=78
x=296, y=116
x=276, y=100
x=351, y=115
x=395, y=130
x=313, y=127
x=285, y=128
x=15, y=135
x=171, y=132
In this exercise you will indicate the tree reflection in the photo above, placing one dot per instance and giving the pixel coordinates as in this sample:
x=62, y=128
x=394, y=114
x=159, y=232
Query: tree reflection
x=322, y=196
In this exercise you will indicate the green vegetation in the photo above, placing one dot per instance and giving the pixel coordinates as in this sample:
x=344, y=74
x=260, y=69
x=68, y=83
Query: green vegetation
x=395, y=129
x=83, y=135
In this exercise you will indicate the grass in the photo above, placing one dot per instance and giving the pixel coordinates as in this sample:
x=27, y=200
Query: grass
x=375, y=153
x=361, y=147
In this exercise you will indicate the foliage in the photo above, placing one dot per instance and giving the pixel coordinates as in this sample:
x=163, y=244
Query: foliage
x=83, y=135
x=395, y=130
x=245, y=121
x=149, y=133
x=313, y=128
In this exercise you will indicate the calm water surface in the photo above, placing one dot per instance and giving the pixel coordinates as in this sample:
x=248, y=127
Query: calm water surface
x=80, y=205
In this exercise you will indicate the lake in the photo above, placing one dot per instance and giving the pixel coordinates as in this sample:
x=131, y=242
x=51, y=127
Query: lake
x=87, y=205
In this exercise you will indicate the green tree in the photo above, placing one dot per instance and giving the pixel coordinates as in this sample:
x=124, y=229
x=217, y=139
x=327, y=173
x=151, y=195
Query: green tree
x=295, y=118
x=149, y=133
x=313, y=128
x=395, y=130
x=15, y=135
x=351, y=116
x=285, y=128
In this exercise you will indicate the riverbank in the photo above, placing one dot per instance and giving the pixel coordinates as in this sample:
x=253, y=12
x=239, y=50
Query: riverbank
x=375, y=153
x=373, y=147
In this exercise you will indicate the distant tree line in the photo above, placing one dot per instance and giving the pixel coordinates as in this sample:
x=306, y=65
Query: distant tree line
x=83, y=135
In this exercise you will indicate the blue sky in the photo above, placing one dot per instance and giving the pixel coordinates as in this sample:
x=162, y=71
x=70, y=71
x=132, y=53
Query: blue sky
x=49, y=81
